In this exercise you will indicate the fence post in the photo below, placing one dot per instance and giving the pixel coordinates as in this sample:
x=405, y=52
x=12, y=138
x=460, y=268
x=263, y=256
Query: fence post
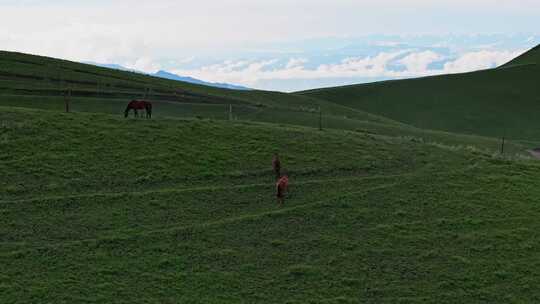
x=320, y=119
x=230, y=112
x=67, y=97
x=502, y=145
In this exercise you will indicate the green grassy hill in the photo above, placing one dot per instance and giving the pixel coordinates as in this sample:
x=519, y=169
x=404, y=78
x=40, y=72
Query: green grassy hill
x=28, y=81
x=96, y=208
x=41, y=82
x=501, y=102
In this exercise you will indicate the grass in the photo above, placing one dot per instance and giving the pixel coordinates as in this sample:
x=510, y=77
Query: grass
x=36, y=77
x=275, y=116
x=163, y=151
x=96, y=208
x=39, y=83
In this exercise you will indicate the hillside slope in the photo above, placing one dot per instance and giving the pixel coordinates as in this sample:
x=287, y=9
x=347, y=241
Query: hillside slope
x=497, y=102
x=99, y=209
x=41, y=82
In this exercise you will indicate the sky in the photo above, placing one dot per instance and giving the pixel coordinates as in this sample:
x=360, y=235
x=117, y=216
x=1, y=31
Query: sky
x=277, y=44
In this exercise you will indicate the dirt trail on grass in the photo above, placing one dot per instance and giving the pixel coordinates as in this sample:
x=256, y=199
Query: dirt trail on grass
x=195, y=189
x=127, y=234
x=535, y=152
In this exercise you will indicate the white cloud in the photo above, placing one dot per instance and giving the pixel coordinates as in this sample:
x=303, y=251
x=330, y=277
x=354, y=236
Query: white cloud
x=363, y=67
x=417, y=63
x=386, y=43
x=296, y=63
x=144, y=64
x=253, y=72
x=185, y=60
x=479, y=60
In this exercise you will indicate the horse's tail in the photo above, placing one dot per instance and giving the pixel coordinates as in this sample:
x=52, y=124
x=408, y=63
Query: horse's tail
x=126, y=112
x=148, y=109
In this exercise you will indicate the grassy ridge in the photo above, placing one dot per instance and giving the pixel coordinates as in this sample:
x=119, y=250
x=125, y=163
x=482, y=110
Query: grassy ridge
x=165, y=109
x=74, y=153
x=40, y=82
x=96, y=208
x=41, y=78
x=496, y=103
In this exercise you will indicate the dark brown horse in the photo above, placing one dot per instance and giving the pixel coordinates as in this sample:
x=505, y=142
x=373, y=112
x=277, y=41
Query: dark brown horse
x=139, y=105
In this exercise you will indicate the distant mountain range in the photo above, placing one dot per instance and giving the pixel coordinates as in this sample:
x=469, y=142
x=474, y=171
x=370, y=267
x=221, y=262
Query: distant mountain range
x=171, y=76
x=167, y=75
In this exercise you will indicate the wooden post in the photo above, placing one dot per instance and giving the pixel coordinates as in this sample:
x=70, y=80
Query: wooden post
x=230, y=112
x=502, y=145
x=320, y=119
x=67, y=97
x=60, y=82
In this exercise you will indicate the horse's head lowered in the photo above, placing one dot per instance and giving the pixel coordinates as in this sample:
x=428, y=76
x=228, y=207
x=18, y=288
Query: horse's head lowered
x=139, y=105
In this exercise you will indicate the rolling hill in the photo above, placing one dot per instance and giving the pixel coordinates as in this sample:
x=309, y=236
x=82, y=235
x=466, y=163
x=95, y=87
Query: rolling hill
x=96, y=208
x=386, y=205
x=40, y=83
x=501, y=102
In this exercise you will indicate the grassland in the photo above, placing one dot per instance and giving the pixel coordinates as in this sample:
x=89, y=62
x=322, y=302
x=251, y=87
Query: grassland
x=40, y=83
x=98, y=209
x=37, y=79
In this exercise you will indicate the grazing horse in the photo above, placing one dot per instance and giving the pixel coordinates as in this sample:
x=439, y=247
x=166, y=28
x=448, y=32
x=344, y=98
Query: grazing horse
x=139, y=105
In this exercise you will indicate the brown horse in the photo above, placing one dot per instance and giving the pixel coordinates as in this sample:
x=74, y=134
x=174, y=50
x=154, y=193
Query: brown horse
x=139, y=105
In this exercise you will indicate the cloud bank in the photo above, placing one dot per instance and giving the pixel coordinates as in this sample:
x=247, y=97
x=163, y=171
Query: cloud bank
x=414, y=64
